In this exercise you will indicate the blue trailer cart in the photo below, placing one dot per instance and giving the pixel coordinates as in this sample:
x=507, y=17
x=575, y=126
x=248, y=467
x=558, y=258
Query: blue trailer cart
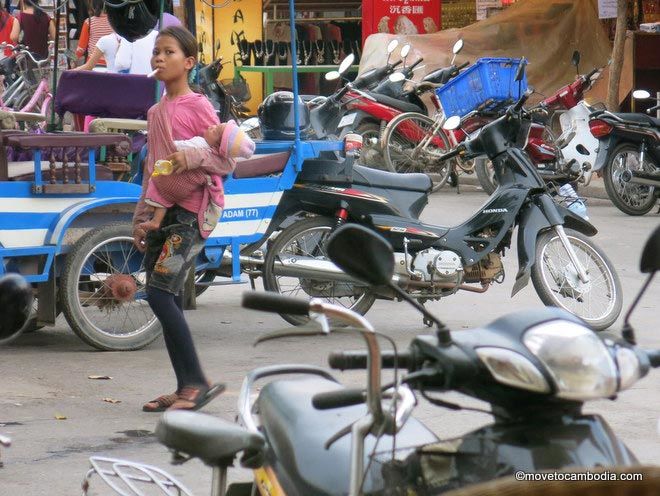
x=65, y=224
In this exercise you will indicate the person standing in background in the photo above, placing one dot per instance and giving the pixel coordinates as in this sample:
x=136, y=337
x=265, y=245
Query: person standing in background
x=36, y=28
x=93, y=29
x=135, y=58
x=9, y=30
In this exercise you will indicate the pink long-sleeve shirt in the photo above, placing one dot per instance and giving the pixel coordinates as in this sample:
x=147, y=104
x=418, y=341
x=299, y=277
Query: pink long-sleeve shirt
x=181, y=118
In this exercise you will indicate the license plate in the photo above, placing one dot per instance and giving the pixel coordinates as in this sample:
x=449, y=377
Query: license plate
x=347, y=120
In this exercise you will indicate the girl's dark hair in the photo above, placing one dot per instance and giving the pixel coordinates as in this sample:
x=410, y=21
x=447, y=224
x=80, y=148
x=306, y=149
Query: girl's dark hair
x=96, y=7
x=38, y=11
x=184, y=38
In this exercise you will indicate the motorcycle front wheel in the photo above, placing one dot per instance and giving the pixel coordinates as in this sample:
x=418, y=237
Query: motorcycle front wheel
x=410, y=144
x=598, y=301
x=307, y=239
x=631, y=199
x=485, y=174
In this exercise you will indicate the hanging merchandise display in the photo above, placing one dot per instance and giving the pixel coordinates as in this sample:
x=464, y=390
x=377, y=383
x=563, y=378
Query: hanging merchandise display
x=404, y=17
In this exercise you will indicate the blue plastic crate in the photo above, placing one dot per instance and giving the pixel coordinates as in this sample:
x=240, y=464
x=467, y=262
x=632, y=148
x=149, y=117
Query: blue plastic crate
x=487, y=85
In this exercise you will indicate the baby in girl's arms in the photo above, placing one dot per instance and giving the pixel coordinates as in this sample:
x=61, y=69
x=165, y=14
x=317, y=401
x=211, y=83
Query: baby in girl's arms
x=231, y=142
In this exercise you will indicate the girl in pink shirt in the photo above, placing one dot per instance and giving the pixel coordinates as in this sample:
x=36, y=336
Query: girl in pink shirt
x=171, y=250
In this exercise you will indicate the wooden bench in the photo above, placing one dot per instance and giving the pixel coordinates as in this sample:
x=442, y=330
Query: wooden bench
x=60, y=175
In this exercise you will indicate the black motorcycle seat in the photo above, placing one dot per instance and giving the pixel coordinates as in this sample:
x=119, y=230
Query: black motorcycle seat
x=297, y=432
x=639, y=118
x=213, y=440
x=396, y=103
x=391, y=180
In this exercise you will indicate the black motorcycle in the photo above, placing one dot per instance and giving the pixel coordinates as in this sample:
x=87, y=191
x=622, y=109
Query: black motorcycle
x=228, y=97
x=629, y=157
x=308, y=434
x=566, y=268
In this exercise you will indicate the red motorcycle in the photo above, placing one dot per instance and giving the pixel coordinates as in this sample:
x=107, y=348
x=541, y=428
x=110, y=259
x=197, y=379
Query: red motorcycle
x=413, y=142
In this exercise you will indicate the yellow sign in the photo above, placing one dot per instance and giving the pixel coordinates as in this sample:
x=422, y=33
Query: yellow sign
x=226, y=26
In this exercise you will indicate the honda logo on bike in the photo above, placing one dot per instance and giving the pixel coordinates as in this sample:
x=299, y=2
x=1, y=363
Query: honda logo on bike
x=495, y=211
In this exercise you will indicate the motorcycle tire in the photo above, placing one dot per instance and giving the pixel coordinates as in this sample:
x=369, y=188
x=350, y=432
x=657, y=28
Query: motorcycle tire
x=557, y=284
x=321, y=289
x=631, y=199
x=89, y=310
x=485, y=175
x=398, y=148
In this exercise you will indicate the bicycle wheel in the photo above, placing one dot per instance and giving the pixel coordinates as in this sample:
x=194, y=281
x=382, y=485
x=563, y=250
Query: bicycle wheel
x=411, y=143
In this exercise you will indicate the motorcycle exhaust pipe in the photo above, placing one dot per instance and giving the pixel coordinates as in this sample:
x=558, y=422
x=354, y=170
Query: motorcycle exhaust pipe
x=228, y=257
x=310, y=268
x=645, y=178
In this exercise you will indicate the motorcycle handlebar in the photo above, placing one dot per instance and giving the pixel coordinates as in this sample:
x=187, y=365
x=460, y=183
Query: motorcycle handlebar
x=652, y=109
x=463, y=65
x=339, y=398
x=588, y=76
x=352, y=360
x=275, y=303
x=519, y=104
x=416, y=63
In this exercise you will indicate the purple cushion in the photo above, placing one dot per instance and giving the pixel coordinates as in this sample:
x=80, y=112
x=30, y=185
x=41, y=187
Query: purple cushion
x=102, y=94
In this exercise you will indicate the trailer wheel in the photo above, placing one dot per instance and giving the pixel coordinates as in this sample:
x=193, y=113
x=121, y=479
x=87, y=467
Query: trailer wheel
x=103, y=291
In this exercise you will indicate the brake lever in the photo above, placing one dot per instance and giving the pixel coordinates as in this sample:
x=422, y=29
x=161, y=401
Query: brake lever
x=338, y=435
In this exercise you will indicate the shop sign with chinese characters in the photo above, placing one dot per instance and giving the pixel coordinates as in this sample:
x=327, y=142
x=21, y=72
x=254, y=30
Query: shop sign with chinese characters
x=400, y=17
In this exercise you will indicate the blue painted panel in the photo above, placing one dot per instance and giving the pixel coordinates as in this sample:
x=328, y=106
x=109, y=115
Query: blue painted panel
x=21, y=221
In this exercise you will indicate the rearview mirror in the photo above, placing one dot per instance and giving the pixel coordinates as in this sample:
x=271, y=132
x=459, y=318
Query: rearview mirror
x=520, y=71
x=650, y=261
x=397, y=77
x=458, y=46
x=575, y=60
x=391, y=46
x=332, y=76
x=454, y=122
x=641, y=94
x=346, y=63
x=16, y=303
x=362, y=254
x=405, y=51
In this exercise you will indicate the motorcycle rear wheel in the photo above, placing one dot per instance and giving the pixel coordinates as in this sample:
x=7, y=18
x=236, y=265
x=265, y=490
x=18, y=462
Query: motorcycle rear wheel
x=631, y=199
x=400, y=140
x=307, y=238
x=557, y=284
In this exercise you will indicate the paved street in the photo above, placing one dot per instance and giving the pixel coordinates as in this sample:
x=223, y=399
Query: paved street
x=45, y=374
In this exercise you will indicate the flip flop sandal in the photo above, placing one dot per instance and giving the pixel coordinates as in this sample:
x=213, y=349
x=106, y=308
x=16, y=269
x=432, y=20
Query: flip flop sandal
x=193, y=398
x=161, y=403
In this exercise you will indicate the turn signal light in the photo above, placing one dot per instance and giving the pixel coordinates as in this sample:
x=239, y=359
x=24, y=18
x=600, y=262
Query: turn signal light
x=600, y=128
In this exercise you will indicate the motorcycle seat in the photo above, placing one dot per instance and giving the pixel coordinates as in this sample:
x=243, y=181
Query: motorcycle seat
x=394, y=102
x=261, y=165
x=213, y=440
x=639, y=118
x=439, y=76
x=297, y=432
x=391, y=180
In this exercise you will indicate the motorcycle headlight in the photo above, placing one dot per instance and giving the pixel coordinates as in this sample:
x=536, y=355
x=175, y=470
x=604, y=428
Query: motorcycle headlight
x=629, y=367
x=578, y=361
x=513, y=369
